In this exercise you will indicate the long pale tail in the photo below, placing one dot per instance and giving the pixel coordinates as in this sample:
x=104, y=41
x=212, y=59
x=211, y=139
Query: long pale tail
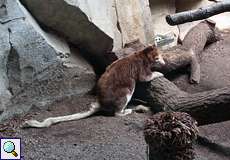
x=52, y=120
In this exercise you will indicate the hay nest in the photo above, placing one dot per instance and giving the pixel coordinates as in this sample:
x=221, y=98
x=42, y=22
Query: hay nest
x=170, y=136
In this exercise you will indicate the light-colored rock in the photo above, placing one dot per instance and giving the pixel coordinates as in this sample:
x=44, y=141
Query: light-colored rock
x=222, y=20
x=135, y=22
x=58, y=43
x=32, y=74
x=4, y=51
x=103, y=14
x=160, y=9
x=123, y=21
x=93, y=24
x=83, y=22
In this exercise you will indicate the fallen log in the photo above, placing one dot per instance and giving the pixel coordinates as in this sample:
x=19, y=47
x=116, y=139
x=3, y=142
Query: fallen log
x=198, y=14
x=181, y=56
x=162, y=95
x=206, y=107
x=190, y=52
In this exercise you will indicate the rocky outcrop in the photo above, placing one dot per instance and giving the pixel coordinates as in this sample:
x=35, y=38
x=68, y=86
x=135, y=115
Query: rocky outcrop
x=73, y=20
x=135, y=21
x=33, y=71
x=101, y=21
x=160, y=9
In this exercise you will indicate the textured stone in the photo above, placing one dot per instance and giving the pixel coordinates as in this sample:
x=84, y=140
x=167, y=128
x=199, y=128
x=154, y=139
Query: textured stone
x=103, y=14
x=5, y=48
x=135, y=22
x=32, y=70
x=159, y=10
x=83, y=23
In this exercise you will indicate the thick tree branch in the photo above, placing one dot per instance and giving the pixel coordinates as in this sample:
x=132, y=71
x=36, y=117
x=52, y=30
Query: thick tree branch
x=161, y=94
x=198, y=14
x=206, y=107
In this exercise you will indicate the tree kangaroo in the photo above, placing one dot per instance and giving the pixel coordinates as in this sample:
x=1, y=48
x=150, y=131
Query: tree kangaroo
x=116, y=86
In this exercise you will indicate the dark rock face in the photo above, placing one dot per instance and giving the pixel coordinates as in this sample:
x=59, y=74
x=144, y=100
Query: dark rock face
x=67, y=18
x=32, y=74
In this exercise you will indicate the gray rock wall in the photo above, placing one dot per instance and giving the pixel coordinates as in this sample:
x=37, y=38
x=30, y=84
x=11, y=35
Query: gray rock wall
x=135, y=21
x=33, y=72
x=96, y=25
x=68, y=19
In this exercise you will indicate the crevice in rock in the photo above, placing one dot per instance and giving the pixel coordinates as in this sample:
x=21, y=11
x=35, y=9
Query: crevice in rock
x=3, y=10
x=9, y=20
x=118, y=23
x=13, y=69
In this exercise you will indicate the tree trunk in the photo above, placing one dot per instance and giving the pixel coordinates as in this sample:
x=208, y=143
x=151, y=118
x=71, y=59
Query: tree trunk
x=206, y=107
x=162, y=95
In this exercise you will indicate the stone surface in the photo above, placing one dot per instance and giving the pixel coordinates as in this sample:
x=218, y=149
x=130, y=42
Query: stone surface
x=97, y=137
x=96, y=25
x=217, y=141
x=30, y=62
x=4, y=83
x=159, y=10
x=76, y=20
x=122, y=21
x=103, y=14
x=135, y=22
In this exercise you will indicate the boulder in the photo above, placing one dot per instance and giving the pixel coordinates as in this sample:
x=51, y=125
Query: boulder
x=135, y=21
x=5, y=48
x=159, y=9
x=86, y=24
x=33, y=71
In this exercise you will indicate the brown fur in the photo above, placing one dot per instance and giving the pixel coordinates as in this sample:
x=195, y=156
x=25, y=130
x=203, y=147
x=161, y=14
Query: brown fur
x=115, y=87
x=121, y=76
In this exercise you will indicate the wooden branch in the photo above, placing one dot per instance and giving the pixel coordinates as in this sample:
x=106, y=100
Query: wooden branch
x=180, y=57
x=195, y=69
x=206, y=107
x=202, y=34
x=161, y=94
x=189, y=54
x=198, y=14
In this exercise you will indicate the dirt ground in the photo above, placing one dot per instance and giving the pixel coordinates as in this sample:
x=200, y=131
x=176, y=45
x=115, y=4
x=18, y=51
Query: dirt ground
x=119, y=138
x=97, y=137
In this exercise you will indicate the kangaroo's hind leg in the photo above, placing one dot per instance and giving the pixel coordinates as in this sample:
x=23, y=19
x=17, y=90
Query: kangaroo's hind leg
x=122, y=104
